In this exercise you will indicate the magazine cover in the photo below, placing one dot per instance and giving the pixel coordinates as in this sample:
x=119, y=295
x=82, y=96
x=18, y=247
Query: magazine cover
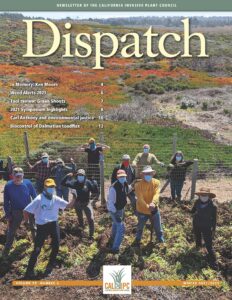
x=115, y=150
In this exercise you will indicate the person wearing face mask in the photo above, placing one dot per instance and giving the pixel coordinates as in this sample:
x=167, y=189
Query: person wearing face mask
x=130, y=172
x=18, y=193
x=94, y=151
x=177, y=172
x=58, y=172
x=42, y=170
x=116, y=203
x=83, y=189
x=147, y=192
x=204, y=222
x=145, y=158
x=45, y=208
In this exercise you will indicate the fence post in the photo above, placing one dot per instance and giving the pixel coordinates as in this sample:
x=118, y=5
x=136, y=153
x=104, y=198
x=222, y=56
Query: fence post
x=26, y=144
x=174, y=141
x=194, y=178
x=102, y=183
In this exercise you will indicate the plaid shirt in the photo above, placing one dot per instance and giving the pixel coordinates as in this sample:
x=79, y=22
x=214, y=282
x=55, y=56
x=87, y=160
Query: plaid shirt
x=42, y=170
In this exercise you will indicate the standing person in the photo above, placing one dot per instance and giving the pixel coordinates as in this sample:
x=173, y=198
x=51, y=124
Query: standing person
x=130, y=172
x=83, y=188
x=93, y=151
x=177, y=172
x=147, y=192
x=145, y=158
x=204, y=222
x=10, y=165
x=45, y=208
x=18, y=193
x=58, y=172
x=116, y=203
x=42, y=169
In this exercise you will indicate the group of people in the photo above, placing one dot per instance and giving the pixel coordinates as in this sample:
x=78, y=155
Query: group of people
x=39, y=206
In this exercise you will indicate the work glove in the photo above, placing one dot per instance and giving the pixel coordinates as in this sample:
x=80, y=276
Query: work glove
x=153, y=208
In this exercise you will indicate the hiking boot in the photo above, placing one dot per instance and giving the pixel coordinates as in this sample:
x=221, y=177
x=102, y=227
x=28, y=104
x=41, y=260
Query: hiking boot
x=111, y=250
x=214, y=265
x=136, y=243
x=91, y=239
x=49, y=268
x=29, y=275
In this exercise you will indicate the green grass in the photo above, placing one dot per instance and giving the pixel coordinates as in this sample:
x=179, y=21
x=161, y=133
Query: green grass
x=127, y=137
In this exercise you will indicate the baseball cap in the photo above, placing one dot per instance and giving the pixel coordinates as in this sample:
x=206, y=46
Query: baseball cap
x=125, y=157
x=91, y=140
x=18, y=171
x=81, y=172
x=49, y=182
x=121, y=173
x=44, y=154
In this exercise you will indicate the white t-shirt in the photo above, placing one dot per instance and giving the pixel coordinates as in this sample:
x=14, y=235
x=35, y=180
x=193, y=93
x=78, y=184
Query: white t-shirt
x=46, y=210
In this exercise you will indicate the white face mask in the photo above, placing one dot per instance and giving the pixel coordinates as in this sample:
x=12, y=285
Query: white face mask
x=204, y=198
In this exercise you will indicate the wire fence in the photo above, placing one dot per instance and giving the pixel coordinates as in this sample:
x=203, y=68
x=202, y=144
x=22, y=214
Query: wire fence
x=209, y=167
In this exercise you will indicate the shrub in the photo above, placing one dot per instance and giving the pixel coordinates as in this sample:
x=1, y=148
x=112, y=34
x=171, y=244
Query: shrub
x=204, y=106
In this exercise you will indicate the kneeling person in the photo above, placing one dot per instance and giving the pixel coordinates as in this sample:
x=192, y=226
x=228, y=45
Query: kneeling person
x=45, y=209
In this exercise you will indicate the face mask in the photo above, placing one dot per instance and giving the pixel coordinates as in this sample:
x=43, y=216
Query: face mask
x=122, y=180
x=18, y=180
x=80, y=178
x=92, y=146
x=146, y=150
x=148, y=178
x=204, y=198
x=45, y=160
x=178, y=158
x=51, y=191
x=125, y=164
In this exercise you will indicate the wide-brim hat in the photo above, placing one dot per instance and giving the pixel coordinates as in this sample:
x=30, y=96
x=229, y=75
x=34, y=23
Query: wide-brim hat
x=148, y=169
x=205, y=191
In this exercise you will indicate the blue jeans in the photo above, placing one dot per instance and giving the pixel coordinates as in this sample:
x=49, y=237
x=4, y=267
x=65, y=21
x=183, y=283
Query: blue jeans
x=176, y=188
x=118, y=229
x=142, y=220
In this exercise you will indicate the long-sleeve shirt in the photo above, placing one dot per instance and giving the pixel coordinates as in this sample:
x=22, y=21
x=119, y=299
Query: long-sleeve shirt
x=177, y=171
x=83, y=190
x=111, y=200
x=17, y=197
x=42, y=170
x=204, y=214
x=130, y=172
x=144, y=159
x=60, y=172
x=147, y=193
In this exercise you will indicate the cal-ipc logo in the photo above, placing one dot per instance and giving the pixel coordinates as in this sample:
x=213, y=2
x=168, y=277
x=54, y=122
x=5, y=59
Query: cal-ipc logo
x=117, y=279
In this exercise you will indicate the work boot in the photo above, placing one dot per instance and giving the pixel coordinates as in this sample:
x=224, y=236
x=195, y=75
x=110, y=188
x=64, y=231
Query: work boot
x=29, y=275
x=136, y=243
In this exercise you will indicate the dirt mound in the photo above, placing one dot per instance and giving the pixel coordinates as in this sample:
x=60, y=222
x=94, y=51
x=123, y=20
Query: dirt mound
x=81, y=259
